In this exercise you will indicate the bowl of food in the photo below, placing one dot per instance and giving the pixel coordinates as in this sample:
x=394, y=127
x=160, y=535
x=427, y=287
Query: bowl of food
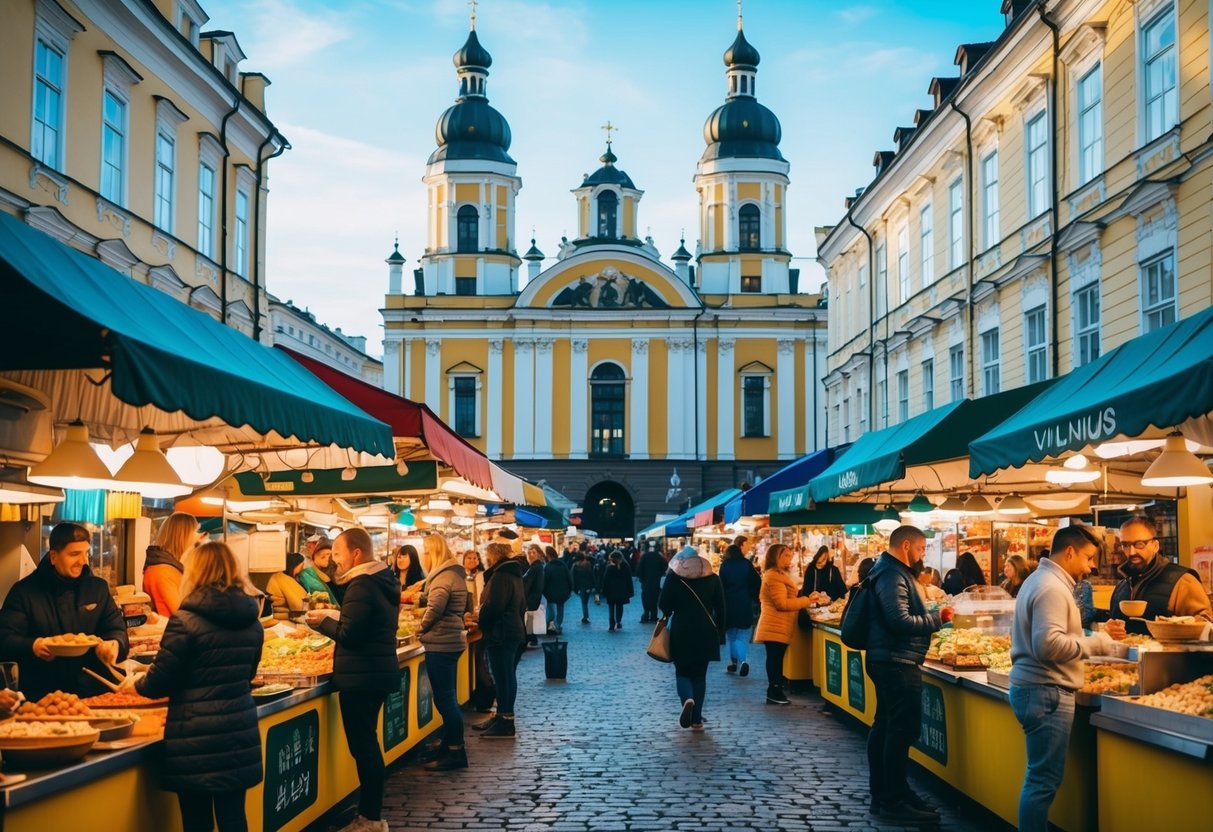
x=273, y=690
x=1133, y=609
x=71, y=644
x=1177, y=627
x=44, y=744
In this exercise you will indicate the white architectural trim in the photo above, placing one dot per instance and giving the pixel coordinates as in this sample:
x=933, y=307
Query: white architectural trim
x=391, y=364
x=725, y=402
x=579, y=387
x=524, y=398
x=492, y=438
x=785, y=381
x=433, y=374
x=638, y=401
x=543, y=409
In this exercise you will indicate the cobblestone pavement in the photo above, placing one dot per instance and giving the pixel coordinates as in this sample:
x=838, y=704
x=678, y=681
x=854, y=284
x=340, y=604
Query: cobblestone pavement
x=603, y=751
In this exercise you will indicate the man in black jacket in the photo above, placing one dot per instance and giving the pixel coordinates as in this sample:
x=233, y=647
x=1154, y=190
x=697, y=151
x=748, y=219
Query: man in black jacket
x=650, y=570
x=61, y=596
x=899, y=634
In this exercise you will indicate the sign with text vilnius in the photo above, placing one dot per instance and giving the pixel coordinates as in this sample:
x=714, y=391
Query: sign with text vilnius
x=396, y=713
x=292, y=765
x=933, y=741
x=834, y=668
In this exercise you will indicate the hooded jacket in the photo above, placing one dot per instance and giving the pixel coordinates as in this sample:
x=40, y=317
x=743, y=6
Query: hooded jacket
x=901, y=627
x=208, y=657
x=617, y=584
x=446, y=592
x=557, y=582
x=780, y=603
x=45, y=604
x=365, y=656
x=162, y=579
x=741, y=582
x=502, y=605
x=693, y=597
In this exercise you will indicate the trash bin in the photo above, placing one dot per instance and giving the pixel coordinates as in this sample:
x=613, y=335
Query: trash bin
x=556, y=659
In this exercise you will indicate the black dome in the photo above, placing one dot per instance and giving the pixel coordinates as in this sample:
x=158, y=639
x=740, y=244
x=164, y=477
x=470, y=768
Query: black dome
x=472, y=54
x=741, y=53
x=741, y=127
x=608, y=174
x=472, y=129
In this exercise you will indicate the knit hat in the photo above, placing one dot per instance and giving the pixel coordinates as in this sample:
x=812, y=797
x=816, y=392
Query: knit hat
x=686, y=552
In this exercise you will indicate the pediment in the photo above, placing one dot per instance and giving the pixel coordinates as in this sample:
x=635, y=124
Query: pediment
x=464, y=368
x=612, y=280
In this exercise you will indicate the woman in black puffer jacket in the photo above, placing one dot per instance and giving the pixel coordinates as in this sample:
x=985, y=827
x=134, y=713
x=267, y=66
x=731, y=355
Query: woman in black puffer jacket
x=207, y=659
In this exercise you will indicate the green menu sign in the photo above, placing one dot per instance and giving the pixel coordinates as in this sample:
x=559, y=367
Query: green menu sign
x=396, y=713
x=933, y=741
x=292, y=764
x=856, y=694
x=834, y=668
x=425, y=697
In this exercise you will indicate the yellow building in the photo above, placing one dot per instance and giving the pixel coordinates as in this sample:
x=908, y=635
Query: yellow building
x=1050, y=203
x=628, y=385
x=132, y=135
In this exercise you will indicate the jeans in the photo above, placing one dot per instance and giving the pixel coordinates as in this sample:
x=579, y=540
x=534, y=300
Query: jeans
x=616, y=614
x=692, y=683
x=442, y=668
x=897, y=724
x=555, y=613
x=775, y=653
x=503, y=666
x=1046, y=713
x=738, y=641
x=360, y=717
x=585, y=603
x=201, y=810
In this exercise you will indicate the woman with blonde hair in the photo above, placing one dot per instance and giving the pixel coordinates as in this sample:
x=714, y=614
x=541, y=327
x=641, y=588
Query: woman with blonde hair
x=163, y=568
x=207, y=659
x=777, y=621
x=444, y=637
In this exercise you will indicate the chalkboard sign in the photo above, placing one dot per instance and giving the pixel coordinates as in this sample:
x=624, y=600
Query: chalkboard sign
x=292, y=765
x=425, y=697
x=396, y=713
x=856, y=694
x=834, y=668
x=933, y=741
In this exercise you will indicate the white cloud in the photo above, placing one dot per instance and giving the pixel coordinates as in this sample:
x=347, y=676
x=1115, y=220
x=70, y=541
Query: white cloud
x=281, y=33
x=854, y=15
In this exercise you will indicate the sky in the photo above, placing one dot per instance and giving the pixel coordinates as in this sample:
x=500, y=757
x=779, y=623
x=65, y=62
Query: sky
x=358, y=85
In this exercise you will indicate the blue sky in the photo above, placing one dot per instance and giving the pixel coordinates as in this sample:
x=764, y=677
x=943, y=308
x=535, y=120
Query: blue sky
x=358, y=85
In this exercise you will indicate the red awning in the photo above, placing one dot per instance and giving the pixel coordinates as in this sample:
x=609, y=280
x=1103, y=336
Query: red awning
x=408, y=420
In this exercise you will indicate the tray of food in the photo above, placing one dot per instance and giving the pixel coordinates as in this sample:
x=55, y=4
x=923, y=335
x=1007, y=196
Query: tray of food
x=302, y=659
x=966, y=650
x=1177, y=628
x=39, y=744
x=123, y=700
x=55, y=704
x=1185, y=708
x=999, y=678
x=271, y=691
x=71, y=644
x=147, y=723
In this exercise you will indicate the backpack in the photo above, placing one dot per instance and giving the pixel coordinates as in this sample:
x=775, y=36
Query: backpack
x=857, y=616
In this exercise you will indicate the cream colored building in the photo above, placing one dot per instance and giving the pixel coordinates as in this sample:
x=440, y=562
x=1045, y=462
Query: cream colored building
x=1049, y=203
x=297, y=329
x=631, y=385
x=134, y=136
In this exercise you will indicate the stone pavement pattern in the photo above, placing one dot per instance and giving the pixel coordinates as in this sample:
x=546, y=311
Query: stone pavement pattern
x=603, y=751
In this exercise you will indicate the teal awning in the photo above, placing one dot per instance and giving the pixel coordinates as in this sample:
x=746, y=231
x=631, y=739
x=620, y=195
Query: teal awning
x=702, y=514
x=71, y=312
x=828, y=514
x=421, y=477
x=935, y=436
x=1157, y=380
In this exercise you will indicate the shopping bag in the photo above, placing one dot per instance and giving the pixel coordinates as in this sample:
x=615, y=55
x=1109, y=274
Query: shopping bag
x=536, y=621
x=555, y=659
x=659, y=644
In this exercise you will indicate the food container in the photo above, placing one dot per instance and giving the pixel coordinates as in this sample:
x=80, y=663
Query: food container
x=296, y=680
x=1126, y=708
x=987, y=609
x=1172, y=631
x=1133, y=609
x=45, y=752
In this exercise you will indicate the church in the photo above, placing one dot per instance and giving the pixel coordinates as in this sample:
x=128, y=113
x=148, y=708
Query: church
x=632, y=386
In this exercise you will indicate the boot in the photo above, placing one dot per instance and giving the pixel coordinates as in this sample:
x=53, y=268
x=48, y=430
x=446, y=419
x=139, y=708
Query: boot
x=456, y=757
x=775, y=696
x=484, y=726
x=503, y=730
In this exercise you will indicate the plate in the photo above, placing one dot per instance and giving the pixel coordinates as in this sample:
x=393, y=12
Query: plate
x=66, y=650
x=275, y=690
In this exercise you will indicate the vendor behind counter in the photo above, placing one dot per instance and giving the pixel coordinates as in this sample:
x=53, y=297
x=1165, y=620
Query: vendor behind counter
x=61, y=596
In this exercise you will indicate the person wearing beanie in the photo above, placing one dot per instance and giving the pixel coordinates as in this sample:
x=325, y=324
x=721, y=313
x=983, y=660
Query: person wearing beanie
x=693, y=599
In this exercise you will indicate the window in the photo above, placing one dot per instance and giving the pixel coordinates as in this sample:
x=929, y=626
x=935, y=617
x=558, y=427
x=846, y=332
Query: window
x=863, y=412
x=903, y=264
x=956, y=366
x=241, y=258
x=166, y=165
x=751, y=283
x=113, y=148
x=1158, y=54
x=467, y=229
x=882, y=397
x=206, y=210
x=956, y=228
x=465, y=406
x=465, y=285
x=749, y=221
x=926, y=240
x=606, y=410
x=608, y=214
x=1036, y=346
x=928, y=384
x=1086, y=324
x=882, y=280
x=991, y=360
x=846, y=420
x=1158, y=303
x=1090, y=124
x=46, y=143
x=754, y=402
x=1037, y=140
x=903, y=395
x=989, y=199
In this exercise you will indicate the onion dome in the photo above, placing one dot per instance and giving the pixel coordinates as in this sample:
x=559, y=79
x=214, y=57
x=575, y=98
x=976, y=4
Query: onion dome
x=741, y=127
x=682, y=253
x=741, y=53
x=533, y=253
x=473, y=54
x=472, y=129
x=395, y=257
x=608, y=174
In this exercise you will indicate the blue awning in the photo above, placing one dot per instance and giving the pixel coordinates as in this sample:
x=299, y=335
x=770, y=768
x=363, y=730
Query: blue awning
x=755, y=501
x=682, y=524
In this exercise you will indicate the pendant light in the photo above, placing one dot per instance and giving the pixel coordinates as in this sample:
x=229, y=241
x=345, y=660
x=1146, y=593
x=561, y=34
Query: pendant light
x=1013, y=504
x=953, y=505
x=889, y=520
x=1176, y=466
x=920, y=504
x=978, y=506
x=73, y=464
x=148, y=471
x=1073, y=470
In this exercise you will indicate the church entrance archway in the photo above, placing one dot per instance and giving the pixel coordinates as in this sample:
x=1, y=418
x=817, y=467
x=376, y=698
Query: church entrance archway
x=608, y=510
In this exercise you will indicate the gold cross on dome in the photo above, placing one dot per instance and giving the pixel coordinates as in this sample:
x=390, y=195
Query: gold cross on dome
x=473, y=4
x=609, y=128
x=738, y=15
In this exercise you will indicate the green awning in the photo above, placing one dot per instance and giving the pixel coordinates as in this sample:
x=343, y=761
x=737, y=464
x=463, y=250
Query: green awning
x=71, y=312
x=1157, y=380
x=828, y=514
x=789, y=499
x=422, y=476
x=935, y=436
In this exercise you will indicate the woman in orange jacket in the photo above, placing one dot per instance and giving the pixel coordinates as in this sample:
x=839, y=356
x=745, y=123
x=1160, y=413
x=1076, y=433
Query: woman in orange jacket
x=777, y=621
x=163, y=568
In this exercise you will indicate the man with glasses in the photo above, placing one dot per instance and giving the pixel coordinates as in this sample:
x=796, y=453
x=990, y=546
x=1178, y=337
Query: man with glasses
x=1167, y=588
x=1047, y=649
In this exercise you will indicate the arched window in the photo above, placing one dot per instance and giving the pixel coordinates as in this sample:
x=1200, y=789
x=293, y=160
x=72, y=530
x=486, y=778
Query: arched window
x=608, y=213
x=607, y=396
x=468, y=229
x=749, y=222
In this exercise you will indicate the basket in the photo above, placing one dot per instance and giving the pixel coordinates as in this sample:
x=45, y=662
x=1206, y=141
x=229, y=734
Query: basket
x=1171, y=631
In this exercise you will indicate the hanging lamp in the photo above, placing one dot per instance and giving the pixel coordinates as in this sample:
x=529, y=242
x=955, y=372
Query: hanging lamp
x=920, y=504
x=1176, y=466
x=148, y=471
x=978, y=506
x=953, y=505
x=73, y=464
x=1013, y=504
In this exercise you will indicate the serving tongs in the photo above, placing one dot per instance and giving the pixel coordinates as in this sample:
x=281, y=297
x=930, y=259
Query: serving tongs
x=108, y=684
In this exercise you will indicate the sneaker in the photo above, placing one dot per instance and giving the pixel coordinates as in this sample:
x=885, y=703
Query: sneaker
x=696, y=726
x=484, y=726
x=552, y=627
x=910, y=798
x=732, y=668
x=775, y=696
x=684, y=718
x=745, y=669
x=503, y=730
x=585, y=621
x=454, y=758
x=898, y=811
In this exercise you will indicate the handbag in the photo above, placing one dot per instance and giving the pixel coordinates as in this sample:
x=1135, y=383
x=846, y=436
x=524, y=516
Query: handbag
x=536, y=621
x=659, y=644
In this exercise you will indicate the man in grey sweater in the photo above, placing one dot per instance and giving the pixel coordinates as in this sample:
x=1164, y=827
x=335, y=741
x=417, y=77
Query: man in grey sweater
x=1047, y=649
